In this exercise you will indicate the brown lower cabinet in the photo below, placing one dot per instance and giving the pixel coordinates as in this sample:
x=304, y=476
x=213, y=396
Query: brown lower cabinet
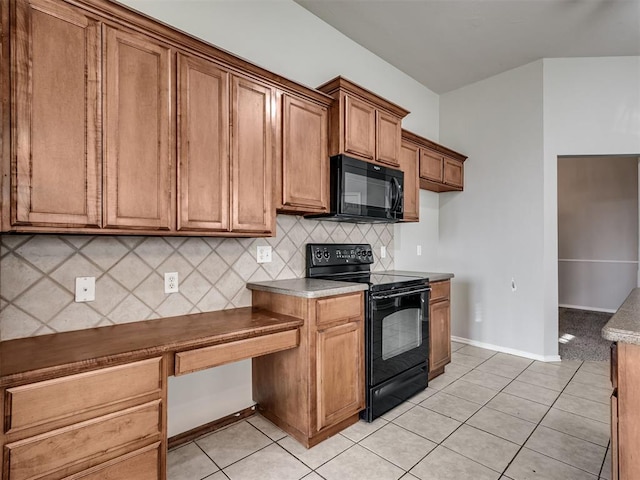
x=439, y=327
x=314, y=391
x=103, y=424
x=625, y=414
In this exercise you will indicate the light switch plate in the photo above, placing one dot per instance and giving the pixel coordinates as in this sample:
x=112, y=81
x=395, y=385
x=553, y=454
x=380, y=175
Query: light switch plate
x=419, y=250
x=383, y=251
x=85, y=289
x=263, y=254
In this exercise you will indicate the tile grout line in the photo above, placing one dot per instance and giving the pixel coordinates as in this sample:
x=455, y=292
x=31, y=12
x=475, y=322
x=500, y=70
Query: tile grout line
x=539, y=424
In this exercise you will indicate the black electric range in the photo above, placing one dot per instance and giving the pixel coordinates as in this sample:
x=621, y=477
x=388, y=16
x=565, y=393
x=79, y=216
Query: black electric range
x=396, y=322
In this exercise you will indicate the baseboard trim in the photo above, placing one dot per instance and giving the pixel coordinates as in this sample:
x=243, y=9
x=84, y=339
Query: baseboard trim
x=510, y=351
x=189, y=435
x=591, y=309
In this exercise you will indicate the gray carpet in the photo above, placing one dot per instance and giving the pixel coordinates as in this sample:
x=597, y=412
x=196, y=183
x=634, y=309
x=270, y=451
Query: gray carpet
x=587, y=342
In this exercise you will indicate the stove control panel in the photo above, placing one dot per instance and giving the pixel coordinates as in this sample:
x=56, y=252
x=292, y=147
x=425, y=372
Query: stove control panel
x=326, y=254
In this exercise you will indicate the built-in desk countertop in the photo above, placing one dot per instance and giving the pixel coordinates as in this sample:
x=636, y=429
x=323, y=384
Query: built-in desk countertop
x=38, y=358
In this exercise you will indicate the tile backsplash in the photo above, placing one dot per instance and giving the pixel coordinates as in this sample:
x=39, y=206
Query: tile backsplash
x=37, y=273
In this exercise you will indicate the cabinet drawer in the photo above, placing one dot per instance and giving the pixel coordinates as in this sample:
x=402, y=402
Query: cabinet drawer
x=201, y=358
x=60, y=398
x=335, y=309
x=56, y=453
x=440, y=291
x=142, y=464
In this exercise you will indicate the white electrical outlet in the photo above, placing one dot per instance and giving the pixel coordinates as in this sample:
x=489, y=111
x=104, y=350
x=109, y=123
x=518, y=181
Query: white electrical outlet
x=263, y=254
x=171, y=282
x=419, y=250
x=383, y=252
x=85, y=289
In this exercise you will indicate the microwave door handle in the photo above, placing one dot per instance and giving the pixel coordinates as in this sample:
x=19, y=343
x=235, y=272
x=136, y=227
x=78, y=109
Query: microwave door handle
x=400, y=194
x=397, y=197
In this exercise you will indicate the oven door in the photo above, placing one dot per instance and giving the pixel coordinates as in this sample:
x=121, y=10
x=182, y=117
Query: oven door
x=398, y=332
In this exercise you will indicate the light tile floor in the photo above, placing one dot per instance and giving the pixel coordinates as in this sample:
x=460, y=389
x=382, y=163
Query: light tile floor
x=490, y=416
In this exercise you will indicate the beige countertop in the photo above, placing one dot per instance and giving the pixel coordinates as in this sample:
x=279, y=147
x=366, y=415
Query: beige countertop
x=624, y=326
x=307, y=287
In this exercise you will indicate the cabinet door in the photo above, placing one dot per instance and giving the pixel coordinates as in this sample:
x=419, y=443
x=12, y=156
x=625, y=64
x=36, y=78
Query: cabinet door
x=359, y=128
x=453, y=172
x=614, y=436
x=55, y=64
x=388, y=138
x=431, y=165
x=409, y=164
x=251, y=156
x=340, y=373
x=439, y=335
x=203, y=145
x=137, y=105
x=305, y=165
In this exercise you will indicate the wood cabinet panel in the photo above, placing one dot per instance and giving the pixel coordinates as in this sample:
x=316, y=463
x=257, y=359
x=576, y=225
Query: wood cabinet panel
x=340, y=373
x=305, y=165
x=142, y=464
x=203, y=145
x=137, y=132
x=336, y=309
x=453, y=172
x=201, y=358
x=614, y=437
x=40, y=403
x=359, y=128
x=55, y=63
x=61, y=449
x=409, y=164
x=440, y=291
x=439, y=335
x=431, y=165
x=251, y=156
x=388, y=138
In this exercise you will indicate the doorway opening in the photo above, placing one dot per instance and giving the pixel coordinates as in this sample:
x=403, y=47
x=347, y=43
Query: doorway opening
x=597, y=248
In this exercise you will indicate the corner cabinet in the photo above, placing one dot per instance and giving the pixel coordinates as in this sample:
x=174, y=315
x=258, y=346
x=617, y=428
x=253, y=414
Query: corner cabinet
x=439, y=327
x=314, y=391
x=441, y=169
x=363, y=124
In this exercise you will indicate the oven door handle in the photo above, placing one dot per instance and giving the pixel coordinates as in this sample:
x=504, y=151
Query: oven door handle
x=400, y=294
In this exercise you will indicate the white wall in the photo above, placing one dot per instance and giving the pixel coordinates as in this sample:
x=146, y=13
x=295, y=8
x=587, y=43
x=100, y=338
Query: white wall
x=286, y=39
x=513, y=126
x=591, y=107
x=490, y=233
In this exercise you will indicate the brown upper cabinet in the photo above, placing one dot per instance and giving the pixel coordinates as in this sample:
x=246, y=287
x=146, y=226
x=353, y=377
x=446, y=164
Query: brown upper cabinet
x=303, y=166
x=410, y=165
x=56, y=157
x=225, y=153
x=137, y=132
x=117, y=123
x=441, y=169
x=363, y=124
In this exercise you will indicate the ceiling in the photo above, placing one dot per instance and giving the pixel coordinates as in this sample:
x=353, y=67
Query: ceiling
x=447, y=44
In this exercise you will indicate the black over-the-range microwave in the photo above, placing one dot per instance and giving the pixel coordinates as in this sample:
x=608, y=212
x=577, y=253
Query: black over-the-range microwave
x=364, y=192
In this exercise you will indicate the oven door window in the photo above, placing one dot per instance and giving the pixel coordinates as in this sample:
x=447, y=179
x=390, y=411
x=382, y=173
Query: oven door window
x=398, y=335
x=401, y=332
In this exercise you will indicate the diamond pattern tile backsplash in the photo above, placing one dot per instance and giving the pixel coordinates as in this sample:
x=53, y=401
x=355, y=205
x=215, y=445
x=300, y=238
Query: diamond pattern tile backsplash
x=37, y=273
